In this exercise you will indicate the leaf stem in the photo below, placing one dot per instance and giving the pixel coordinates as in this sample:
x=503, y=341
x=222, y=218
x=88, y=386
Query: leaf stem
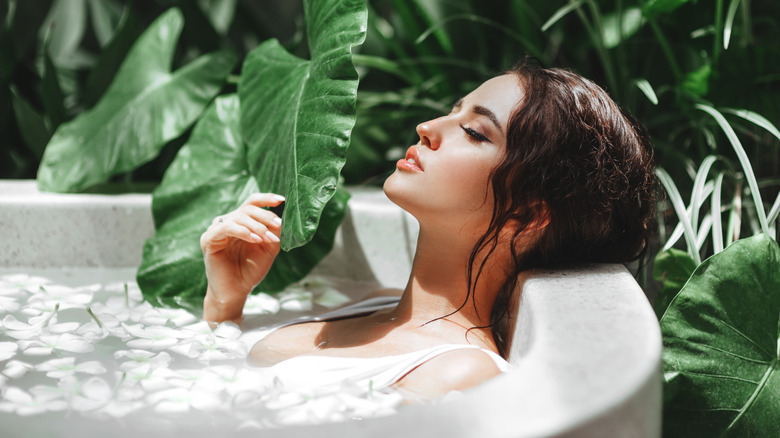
x=92, y=314
x=666, y=49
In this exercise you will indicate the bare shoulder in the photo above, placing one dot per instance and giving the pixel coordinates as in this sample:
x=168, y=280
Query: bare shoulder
x=454, y=370
x=384, y=293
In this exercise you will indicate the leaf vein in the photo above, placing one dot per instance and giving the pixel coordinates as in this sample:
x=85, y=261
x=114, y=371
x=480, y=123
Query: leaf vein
x=746, y=338
x=748, y=359
x=752, y=397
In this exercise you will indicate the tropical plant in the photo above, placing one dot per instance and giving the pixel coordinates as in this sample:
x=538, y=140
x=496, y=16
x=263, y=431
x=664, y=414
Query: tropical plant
x=680, y=66
x=721, y=357
x=285, y=132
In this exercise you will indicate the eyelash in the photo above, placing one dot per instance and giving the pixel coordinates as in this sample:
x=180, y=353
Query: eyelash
x=474, y=136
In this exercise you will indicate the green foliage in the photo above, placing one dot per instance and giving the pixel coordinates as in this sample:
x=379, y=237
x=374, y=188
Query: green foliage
x=672, y=268
x=146, y=106
x=288, y=136
x=297, y=114
x=210, y=176
x=721, y=346
x=67, y=69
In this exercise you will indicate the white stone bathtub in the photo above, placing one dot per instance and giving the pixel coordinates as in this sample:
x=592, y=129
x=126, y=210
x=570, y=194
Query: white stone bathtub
x=586, y=350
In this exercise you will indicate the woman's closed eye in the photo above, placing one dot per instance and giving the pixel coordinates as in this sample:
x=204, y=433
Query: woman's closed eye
x=474, y=135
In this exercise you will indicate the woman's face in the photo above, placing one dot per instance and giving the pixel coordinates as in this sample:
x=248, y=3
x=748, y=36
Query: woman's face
x=445, y=177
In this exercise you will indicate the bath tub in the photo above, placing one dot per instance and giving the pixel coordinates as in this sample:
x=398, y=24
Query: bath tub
x=586, y=346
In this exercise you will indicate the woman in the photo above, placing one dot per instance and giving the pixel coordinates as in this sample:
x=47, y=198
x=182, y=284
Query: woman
x=535, y=168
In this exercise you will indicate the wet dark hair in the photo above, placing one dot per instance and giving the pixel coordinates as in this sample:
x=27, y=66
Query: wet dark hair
x=576, y=159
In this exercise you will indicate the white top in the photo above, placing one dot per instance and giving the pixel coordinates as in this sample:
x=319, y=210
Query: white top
x=370, y=373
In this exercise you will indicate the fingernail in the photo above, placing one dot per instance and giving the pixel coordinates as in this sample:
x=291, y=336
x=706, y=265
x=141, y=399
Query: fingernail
x=279, y=198
x=255, y=237
x=278, y=220
x=272, y=236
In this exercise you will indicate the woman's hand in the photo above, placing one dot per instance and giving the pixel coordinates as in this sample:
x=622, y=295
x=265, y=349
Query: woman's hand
x=238, y=250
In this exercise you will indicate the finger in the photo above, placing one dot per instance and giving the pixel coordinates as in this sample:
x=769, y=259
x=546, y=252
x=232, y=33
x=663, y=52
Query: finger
x=259, y=229
x=264, y=200
x=266, y=217
x=218, y=235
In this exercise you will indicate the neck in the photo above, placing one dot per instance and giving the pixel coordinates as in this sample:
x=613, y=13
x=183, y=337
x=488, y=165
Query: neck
x=438, y=284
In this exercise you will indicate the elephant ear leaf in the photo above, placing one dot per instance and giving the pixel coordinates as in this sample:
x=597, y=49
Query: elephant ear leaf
x=145, y=106
x=209, y=177
x=206, y=179
x=721, y=345
x=297, y=114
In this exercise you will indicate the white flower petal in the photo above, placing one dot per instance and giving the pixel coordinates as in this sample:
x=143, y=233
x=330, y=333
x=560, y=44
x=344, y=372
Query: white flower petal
x=16, y=395
x=73, y=343
x=16, y=368
x=261, y=304
x=8, y=304
x=57, y=368
x=96, y=389
x=7, y=350
x=91, y=367
x=63, y=327
x=330, y=297
x=228, y=330
x=11, y=323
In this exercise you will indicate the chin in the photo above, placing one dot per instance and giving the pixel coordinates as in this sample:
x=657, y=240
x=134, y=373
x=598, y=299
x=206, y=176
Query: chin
x=405, y=193
x=393, y=188
x=400, y=191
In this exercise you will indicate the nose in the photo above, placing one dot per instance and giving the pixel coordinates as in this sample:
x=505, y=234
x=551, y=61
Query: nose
x=430, y=134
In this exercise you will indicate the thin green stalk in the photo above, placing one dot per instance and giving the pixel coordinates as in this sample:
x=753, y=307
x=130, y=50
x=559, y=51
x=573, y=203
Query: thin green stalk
x=747, y=25
x=735, y=215
x=381, y=64
x=698, y=189
x=92, y=314
x=666, y=49
x=743, y=160
x=717, y=222
x=729, y=25
x=682, y=214
x=525, y=42
x=704, y=230
x=620, y=49
x=774, y=211
x=595, y=37
x=562, y=12
x=717, y=41
x=678, y=229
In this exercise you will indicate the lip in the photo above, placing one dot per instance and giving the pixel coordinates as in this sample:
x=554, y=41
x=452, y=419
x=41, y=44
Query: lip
x=411, y=153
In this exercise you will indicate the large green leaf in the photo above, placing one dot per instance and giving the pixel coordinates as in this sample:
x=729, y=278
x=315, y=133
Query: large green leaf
x=297, y=114
x=111, y=56
x=210, y=177
x=721, y=346
x=672, y=268
x=145, y=107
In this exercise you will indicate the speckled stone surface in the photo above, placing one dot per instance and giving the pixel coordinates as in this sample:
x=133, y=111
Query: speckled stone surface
x=586, y=346
x=43, y=230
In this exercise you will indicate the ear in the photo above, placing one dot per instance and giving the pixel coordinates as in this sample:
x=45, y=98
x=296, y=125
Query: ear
x=541, y=217
x=540, y=221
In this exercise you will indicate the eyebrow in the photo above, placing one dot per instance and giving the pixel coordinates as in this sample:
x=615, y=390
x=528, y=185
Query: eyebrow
x=481, y=110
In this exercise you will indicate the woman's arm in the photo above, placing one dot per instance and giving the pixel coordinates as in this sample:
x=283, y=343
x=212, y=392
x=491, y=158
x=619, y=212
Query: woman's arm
x=238, y=250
